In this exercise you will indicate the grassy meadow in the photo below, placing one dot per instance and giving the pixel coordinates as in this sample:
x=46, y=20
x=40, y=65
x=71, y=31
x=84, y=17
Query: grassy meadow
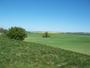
x=21, y=54
x=77, y=43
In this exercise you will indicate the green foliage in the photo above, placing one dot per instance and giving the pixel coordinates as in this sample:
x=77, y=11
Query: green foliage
x=19, y=54
x=17, y=33
x=46, y=35
x=2, y=30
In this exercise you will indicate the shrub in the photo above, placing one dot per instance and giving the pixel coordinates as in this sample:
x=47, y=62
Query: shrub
x=46, y=35
x=16, y=33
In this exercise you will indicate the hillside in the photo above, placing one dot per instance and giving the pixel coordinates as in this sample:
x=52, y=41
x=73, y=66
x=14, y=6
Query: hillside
x=74, y=42
x=18, y=54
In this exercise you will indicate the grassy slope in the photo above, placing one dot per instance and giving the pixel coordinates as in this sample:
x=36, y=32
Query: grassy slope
x=78, y=43
x=17, y=54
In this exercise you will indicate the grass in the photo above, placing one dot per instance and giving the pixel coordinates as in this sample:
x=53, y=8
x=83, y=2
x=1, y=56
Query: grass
x=77, y=43
x=20, y=54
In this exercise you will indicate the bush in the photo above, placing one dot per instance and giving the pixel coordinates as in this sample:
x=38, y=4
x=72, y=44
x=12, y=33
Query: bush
x=46, y=35
x=16, y=33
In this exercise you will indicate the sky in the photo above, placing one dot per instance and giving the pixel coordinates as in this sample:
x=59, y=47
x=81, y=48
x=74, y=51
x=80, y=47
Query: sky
x=46, y=15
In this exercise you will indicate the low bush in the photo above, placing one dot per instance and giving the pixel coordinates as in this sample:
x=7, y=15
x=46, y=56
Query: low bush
x=16, y=33
x=46, y=35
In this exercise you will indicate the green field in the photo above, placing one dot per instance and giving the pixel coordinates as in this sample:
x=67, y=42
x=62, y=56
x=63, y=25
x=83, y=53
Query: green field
x=20, y=54
x=77, y=43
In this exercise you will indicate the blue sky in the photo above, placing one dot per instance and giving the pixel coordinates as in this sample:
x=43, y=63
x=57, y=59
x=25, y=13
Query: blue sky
x=46, y=15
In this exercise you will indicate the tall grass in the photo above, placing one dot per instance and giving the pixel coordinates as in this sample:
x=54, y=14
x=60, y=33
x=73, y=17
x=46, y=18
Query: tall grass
x=20, y=54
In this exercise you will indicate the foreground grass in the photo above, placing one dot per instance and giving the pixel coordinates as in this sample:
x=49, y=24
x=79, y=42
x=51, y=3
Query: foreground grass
x=77, y=43
x=18, y=54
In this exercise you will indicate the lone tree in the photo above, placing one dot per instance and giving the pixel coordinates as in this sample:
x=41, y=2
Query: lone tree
x=16, y=33
x=45, y=35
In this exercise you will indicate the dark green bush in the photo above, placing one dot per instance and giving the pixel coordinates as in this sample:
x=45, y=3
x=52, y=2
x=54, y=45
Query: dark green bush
x=46, y=35
x=16, y=33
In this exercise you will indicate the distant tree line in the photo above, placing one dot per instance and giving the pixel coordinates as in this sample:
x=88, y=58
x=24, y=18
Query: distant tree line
x=78, y=33
x=2, y=30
